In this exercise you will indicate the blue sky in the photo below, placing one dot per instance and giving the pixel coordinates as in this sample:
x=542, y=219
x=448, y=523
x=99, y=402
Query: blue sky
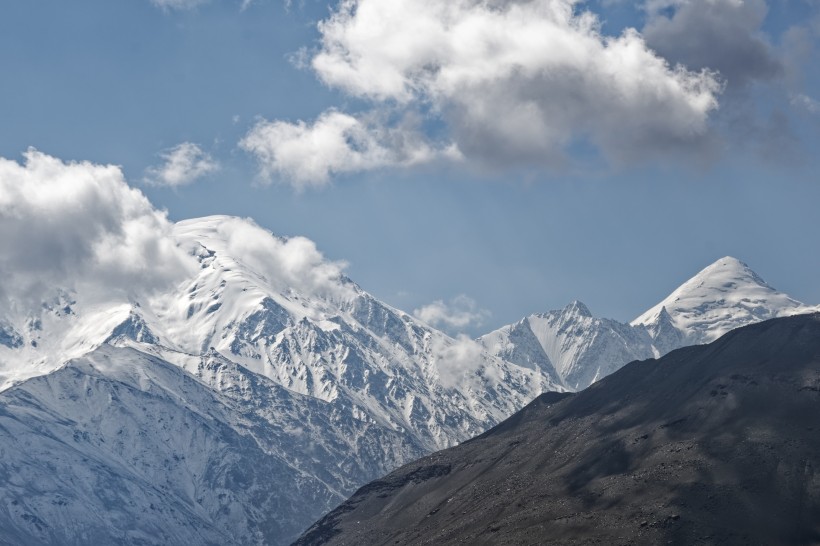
x=514, y=179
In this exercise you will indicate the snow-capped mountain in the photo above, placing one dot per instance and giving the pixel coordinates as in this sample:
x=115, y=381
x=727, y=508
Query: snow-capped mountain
x=245, y=402
x=575, y=349
x=723, y=296
x=264, y=388
x=118, y=447
x=570, y=345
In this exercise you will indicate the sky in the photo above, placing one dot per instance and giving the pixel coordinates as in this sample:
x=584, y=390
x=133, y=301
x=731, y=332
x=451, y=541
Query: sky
x=472, y=162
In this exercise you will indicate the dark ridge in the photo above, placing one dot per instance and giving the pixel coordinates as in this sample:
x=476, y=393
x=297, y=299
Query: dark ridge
x=714, y=444
x=530, y=411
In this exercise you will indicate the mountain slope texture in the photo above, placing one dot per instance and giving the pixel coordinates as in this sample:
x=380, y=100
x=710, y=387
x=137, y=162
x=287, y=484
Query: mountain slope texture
x=713, y=444
x=248, y=399
x=236, y=407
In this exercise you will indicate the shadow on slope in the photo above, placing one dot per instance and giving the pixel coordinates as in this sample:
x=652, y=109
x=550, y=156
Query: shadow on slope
x=714, y=444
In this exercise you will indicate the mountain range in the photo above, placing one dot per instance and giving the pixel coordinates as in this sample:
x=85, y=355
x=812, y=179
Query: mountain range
x=711, y=444
x=245, y=402
x=576, y=349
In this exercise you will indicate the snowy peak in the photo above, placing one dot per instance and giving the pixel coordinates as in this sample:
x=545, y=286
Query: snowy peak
x=133, y=328
x=573, y=347
x=729, y=267
x=569, y=346
x=576, y=309
x=723, y=296
x=282, y=347
x=726, y=275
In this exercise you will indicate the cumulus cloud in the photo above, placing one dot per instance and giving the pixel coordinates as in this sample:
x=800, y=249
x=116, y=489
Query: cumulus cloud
x=721, y=35
x=305, y=154
x=507, y=82
x=516, y=81
x=285, y=262
x=182, y=164
x=79, y=227
x=459, y=313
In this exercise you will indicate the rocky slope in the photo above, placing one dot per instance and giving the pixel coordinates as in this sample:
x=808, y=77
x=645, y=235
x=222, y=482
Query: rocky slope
x=711, y=444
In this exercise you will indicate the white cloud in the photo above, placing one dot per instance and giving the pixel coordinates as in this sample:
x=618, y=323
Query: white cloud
x=305, y=154
x=177, y=4
x=458, y=362
x=79, y=227
x=459, y=313
x=182, y=164
x=516, y=81
x=286, y=263
x=806, y=103
x=507, y=83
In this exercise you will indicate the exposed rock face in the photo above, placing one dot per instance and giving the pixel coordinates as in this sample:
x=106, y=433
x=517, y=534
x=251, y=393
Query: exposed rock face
x=713, y=444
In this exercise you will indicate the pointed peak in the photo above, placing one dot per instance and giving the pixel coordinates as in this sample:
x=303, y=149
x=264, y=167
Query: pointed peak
x=730, y=261
x=577, y=308
x=729, y=264
x=724, y=295
x=134, y=328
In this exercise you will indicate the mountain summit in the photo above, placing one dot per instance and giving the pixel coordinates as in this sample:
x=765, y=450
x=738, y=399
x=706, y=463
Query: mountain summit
x=723, y=296
x=576, y=349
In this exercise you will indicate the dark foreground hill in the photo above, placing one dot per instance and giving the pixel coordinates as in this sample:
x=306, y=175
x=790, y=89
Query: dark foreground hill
x=715, y=444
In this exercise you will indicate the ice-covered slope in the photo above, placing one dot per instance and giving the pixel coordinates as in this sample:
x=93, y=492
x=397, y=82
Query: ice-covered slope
x=329, y=339
x=38, y=341
x=723, y=296
x=574, y=348
x=119, y=447
x=570, y=345
x=321, y=385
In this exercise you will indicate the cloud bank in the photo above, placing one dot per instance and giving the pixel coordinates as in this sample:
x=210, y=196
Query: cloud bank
x=511, y=83
x=79, y=227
